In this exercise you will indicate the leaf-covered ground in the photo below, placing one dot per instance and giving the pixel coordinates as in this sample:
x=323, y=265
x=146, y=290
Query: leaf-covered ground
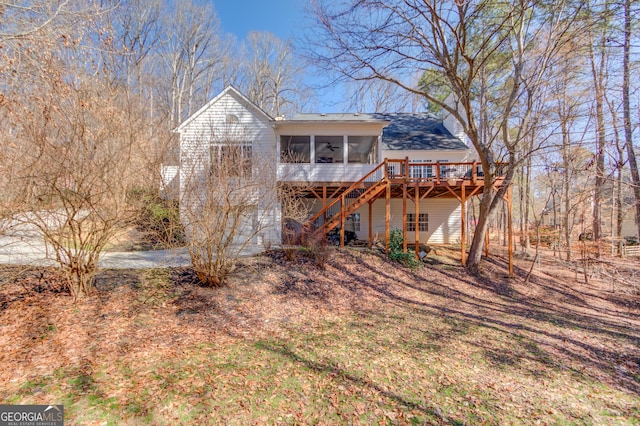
x=362, y=342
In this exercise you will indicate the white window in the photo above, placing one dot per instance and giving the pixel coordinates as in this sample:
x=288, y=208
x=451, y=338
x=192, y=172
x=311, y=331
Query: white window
x=423, y=221
x=420, y=171
x=353, y=222
x=233, y=159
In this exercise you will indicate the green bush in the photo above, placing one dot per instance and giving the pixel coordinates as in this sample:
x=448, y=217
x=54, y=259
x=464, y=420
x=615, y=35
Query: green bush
x=164, y=221
x=159, y=218
x=396, y=254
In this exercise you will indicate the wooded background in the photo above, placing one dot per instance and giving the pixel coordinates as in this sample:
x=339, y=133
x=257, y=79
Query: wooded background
x=91, y=90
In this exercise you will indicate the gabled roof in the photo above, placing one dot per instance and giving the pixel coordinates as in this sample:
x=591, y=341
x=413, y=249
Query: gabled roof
x=402, y=131
x=417, y=131
x=233, y=92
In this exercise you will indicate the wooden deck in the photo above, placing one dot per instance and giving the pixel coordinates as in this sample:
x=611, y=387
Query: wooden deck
x=440, y=179
x=399, y=179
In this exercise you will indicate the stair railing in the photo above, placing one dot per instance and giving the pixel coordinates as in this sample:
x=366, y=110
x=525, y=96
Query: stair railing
x=349, y=196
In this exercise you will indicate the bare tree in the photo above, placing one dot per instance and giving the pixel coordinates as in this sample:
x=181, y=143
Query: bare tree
x=26, y=19
x=618, y=182
x=77, y=168
x=598, y=56
x=628, y=131
x=568, y=91
x=271, y=75
x=382, y=96
x=78, y=142
x=191, y=54
x=569, y=177
x=130, y=42
x=510, y=45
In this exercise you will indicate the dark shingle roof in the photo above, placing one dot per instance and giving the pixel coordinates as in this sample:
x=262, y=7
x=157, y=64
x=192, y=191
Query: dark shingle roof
x=406, y=131
x=417, y=131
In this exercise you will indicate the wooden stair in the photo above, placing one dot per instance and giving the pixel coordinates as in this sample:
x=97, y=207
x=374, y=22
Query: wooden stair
x=354, y=197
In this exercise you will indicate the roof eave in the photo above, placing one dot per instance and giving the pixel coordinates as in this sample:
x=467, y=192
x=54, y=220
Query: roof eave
x=228, y=89
x=372, y=122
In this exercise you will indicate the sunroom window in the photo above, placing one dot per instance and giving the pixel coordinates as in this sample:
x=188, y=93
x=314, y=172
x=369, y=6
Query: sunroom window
x=329, y=149
x=295, y=149
x=363, y=149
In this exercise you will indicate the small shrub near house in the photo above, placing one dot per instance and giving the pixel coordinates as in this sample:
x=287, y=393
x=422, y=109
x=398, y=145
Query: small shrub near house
x=292, y=238
x=396, y=254
x=159, y=218
x=318, y=249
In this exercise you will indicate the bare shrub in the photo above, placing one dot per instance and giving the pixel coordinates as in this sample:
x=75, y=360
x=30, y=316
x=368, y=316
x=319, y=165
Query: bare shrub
x=79, y=168
x=76, y=153
x=158, y=218
x=230, y=199
x=319, y=249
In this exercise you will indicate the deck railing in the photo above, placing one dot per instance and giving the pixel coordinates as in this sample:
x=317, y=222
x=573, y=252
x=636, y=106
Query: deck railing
x=393, y=171
x=348, y=197
x=439, y=171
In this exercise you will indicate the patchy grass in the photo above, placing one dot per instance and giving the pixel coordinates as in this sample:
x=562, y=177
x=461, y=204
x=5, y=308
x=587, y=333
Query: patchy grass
x=361, y=342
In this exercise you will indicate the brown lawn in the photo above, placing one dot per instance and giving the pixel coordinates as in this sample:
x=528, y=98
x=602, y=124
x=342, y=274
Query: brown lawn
x=364, y=341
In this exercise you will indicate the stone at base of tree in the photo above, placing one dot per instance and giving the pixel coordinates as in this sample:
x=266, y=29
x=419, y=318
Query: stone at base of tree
x=423, y=251
x=426, y=249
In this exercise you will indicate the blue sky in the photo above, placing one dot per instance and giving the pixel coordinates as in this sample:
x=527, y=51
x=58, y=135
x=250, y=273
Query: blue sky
x=284, y=18
x=281, y=17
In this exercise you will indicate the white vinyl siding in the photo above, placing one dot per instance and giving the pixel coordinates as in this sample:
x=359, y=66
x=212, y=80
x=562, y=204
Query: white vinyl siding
x=443, y=219
x=226, y=120
x=353, y=222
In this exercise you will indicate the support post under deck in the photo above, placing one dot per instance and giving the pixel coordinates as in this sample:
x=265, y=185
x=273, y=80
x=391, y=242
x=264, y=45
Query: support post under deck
x=342, y=220
x=370, y=223
x=510, y=231
x=463, y=226
x=387, y=218
x=404, y=217
x=416, y=226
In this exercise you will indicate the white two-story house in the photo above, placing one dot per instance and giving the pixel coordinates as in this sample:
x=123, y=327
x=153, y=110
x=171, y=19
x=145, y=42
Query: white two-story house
x=367, y=173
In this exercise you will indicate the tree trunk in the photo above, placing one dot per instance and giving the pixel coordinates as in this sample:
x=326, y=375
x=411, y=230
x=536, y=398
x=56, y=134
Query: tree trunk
x=600, y=153
x=566, y=163
x=477, y=243
x=633, y=165
x=619, y=202
x=598, y=73
x=527, y=200
x=555, y=224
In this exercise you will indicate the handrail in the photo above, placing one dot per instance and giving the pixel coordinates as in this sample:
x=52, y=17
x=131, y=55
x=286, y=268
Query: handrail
x=437, y=171
x=349, y=189
x=443, y=171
